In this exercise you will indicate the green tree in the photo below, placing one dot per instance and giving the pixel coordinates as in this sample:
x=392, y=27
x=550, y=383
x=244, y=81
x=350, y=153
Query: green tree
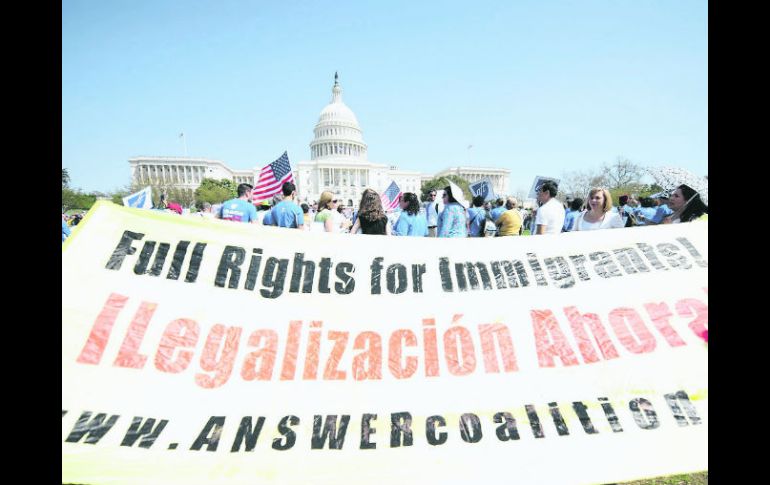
x=623, y=175
x=76, y=199
x=65, y=178
x=185, y=197
x=439, y=183
x=215, y=191
x=640, y=191
x=579, y=183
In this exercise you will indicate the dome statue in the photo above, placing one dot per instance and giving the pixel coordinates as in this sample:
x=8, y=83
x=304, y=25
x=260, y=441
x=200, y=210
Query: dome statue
x=337, y=134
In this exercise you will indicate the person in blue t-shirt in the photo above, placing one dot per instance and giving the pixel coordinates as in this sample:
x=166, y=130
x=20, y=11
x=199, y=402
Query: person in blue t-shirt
x=662, y=211
x=477, y=216
x=498, y=210
x=65, y=230
x=286, y=213
x=575, y=207
x=240, y=209
x=411, y=222
x=646, y=212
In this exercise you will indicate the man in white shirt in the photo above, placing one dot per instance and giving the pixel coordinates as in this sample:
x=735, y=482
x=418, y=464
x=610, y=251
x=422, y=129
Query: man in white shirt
x=550, y=215
x=431, y=213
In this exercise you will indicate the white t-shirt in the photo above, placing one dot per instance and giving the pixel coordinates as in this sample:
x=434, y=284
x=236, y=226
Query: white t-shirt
x=337, y=220
x=551, y=214
x=611, y=220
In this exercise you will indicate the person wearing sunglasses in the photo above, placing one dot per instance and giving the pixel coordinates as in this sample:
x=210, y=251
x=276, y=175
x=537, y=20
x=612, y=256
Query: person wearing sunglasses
x=327, y=205
x=453, y=221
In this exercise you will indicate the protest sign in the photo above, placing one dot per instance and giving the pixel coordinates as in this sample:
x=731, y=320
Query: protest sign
x=540, y=180
x=483, y=188
x=140, y=200
x=199, y=351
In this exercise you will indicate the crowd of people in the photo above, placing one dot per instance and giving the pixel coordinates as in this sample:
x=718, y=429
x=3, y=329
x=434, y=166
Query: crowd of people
x=453, y=216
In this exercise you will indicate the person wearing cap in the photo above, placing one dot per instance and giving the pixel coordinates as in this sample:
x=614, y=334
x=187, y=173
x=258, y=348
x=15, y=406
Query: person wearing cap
x=262, y=210
x=268, y=219
x=240, y=209
x=550, y=215
x=453, y=220
x=661, y=211
x=431, y=213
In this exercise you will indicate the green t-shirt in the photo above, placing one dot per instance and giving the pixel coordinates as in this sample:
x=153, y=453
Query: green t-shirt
x=323, y=215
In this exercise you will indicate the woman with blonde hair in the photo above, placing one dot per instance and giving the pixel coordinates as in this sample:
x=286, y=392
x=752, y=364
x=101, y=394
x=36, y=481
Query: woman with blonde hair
x=599, y=214
x=327, y=205
x=371, y=216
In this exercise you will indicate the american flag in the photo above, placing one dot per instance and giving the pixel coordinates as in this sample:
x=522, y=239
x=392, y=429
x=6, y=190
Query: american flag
x=391, y=196
x=271, y=179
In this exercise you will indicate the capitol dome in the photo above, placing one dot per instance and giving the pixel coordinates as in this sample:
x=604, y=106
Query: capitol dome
x=337, y=134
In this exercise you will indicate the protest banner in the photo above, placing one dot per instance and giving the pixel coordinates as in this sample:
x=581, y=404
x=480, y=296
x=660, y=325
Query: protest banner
x=483, y=188
x=200, y=351
x=539, y=180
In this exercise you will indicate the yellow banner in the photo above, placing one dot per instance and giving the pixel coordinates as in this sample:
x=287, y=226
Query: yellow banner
x=199, y=351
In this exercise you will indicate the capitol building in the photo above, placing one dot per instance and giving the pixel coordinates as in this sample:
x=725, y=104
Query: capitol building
x=338, y=163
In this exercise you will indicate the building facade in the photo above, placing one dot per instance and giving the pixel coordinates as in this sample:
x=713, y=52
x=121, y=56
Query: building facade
x=498, y=176
x=338, y=163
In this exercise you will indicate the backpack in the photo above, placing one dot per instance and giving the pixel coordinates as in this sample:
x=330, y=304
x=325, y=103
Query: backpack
x=490, y=228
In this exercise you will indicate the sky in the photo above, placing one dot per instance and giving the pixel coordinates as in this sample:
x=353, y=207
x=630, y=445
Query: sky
x=537, y=87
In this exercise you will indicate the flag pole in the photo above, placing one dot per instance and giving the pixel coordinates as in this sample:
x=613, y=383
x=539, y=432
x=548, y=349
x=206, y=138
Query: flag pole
x=184, y=142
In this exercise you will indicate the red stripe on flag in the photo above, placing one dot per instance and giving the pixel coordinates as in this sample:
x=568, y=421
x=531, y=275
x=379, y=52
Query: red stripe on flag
x=270, y=187
x=388, y=204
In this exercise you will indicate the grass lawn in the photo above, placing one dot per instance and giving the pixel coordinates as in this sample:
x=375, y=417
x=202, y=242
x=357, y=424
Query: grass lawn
x=701, y=478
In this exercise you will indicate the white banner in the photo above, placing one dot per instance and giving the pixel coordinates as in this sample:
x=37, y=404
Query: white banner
x=198, y=351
